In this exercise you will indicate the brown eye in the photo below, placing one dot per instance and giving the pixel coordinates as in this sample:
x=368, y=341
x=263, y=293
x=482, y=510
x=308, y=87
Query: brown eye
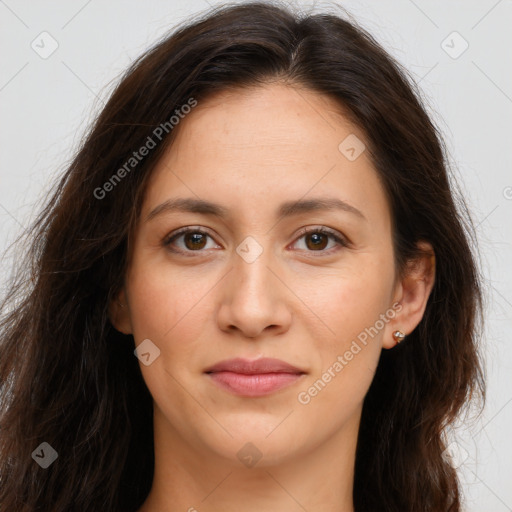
x=194, y=241
x=189, y=240
x=316, y=241
x=321, y=240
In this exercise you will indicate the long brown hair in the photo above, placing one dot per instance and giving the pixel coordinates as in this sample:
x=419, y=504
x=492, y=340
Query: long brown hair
x=69, y=379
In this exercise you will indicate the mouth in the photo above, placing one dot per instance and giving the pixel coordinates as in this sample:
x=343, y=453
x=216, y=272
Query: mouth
x=254, y=378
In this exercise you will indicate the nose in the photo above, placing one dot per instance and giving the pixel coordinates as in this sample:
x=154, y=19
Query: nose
x=254, y=301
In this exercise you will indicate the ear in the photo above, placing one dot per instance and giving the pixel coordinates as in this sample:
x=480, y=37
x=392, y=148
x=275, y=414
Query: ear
x=412, y=292
x=119, y=313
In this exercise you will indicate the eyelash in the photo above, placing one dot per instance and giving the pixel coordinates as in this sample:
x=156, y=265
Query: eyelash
x=341, y=241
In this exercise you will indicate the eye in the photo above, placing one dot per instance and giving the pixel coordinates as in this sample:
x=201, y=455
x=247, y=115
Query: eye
x=190, y=239
x=317, y=239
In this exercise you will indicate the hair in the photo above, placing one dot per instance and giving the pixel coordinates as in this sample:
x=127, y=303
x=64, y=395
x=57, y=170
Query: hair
x=70, y=379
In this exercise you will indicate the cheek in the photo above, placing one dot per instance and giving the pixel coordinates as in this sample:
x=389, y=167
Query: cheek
x=347, y=301
x=350, y=305
x=164, y=302
x=349, y=357
x=169, y=307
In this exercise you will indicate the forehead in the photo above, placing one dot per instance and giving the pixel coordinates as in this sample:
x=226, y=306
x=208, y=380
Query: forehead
x=273, y=116
x=264, y=145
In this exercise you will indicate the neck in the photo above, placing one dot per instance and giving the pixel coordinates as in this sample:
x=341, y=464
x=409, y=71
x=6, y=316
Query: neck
x=193, y=479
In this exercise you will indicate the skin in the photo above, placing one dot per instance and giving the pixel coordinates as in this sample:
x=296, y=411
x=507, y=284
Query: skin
x=250, y=150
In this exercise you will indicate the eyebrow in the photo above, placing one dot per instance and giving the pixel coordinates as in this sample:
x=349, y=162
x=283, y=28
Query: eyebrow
x=286, y=209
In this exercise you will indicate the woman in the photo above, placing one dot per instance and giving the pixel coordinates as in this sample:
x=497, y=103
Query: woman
x=252, y=290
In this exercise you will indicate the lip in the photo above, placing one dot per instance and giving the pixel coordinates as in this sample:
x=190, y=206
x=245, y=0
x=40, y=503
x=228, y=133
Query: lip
x=252, y=378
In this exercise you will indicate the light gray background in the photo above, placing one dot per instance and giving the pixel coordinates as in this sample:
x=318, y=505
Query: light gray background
x=46, y=104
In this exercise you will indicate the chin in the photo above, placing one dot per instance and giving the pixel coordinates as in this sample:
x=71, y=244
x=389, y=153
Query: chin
x=262, y=441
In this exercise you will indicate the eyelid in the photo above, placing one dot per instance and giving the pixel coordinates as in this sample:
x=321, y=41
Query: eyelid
x=185, y=230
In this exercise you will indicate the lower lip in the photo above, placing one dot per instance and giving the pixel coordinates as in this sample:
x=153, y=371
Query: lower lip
x=260, y=384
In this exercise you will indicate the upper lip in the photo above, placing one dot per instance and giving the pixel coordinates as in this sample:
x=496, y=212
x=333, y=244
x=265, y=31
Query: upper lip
x=253, y=367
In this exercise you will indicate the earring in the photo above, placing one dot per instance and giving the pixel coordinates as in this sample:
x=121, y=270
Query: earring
x=122, y=305
x=398, y=336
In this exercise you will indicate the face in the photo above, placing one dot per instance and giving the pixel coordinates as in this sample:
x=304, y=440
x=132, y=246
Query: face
x=268, y=271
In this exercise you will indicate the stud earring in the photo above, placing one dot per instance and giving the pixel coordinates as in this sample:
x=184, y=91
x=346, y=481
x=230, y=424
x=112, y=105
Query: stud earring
x=398, y=336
